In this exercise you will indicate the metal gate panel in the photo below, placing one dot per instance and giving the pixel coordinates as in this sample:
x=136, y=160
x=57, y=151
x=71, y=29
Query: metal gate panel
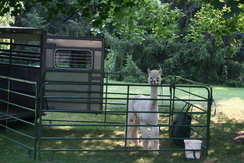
x=113, y=120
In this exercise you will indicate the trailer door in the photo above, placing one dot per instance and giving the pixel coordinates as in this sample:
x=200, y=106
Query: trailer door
x=73, y=73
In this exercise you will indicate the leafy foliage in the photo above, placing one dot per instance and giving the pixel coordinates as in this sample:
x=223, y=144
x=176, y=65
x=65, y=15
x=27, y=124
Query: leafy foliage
x=6, y=18
x=147, y=54
x=145, y=17
x=133, y=18
x=232, y=5
x=199, y=61
x=131, y=68
x=194, y=39
x=216, y=21
x=74, y=26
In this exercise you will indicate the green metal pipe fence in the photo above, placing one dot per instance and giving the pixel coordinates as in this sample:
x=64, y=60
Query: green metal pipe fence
x=82, y=130
x=11, y=109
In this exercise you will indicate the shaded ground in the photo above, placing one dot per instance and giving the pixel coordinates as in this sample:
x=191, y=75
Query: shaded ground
x=239, y=137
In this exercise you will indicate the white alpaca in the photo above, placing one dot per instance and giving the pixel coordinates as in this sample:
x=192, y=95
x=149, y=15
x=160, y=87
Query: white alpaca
x=154, y=78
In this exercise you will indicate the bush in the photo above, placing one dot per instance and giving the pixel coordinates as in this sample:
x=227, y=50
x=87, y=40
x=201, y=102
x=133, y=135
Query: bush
x=129, y=73
x=235, y=74
x=235, y=70
x=234, y=83
x=131, y=68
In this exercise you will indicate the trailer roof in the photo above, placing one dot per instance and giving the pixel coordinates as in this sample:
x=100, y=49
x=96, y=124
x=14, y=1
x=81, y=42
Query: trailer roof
x=29, y=33
x=11, y=27
x=5, y=30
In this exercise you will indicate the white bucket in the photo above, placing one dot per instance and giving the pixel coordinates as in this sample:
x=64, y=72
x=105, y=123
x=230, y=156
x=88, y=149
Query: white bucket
x=193, y=144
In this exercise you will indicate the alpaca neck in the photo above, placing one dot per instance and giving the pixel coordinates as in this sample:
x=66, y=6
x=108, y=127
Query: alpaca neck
x=154, y=92
x=154, y=95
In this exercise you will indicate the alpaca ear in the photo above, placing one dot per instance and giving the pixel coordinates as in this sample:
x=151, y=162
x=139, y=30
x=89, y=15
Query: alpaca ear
x=160, y=71
x=148, y=70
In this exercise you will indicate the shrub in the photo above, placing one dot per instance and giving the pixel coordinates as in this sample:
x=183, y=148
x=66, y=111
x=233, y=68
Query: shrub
x=131, y=68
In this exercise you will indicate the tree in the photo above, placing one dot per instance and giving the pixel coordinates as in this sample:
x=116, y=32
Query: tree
x=152, y=15
x=216, y=22
x=36, y=17
x=196, y=39
x=6, y=19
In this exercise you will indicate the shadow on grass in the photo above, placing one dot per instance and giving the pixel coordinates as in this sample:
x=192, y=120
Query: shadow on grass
x=225, y=145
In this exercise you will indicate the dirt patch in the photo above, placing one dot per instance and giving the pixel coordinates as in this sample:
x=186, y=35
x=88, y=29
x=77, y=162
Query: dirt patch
x=239, y=137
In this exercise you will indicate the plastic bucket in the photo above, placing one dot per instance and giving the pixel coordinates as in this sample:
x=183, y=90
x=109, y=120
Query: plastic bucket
x=195, y=145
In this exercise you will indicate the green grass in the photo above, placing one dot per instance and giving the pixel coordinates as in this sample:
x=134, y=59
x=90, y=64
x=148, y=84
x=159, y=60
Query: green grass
x=227, y=123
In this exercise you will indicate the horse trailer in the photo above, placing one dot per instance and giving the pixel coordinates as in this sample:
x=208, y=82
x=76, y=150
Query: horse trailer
x=34, y=65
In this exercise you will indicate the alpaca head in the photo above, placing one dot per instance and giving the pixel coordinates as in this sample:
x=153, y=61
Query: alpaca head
x=154, y=77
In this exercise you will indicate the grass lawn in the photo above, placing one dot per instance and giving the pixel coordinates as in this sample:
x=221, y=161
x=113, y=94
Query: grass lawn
x=226, y=144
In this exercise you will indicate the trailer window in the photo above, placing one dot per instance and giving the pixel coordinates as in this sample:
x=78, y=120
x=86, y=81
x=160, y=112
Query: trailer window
x=73, y=59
